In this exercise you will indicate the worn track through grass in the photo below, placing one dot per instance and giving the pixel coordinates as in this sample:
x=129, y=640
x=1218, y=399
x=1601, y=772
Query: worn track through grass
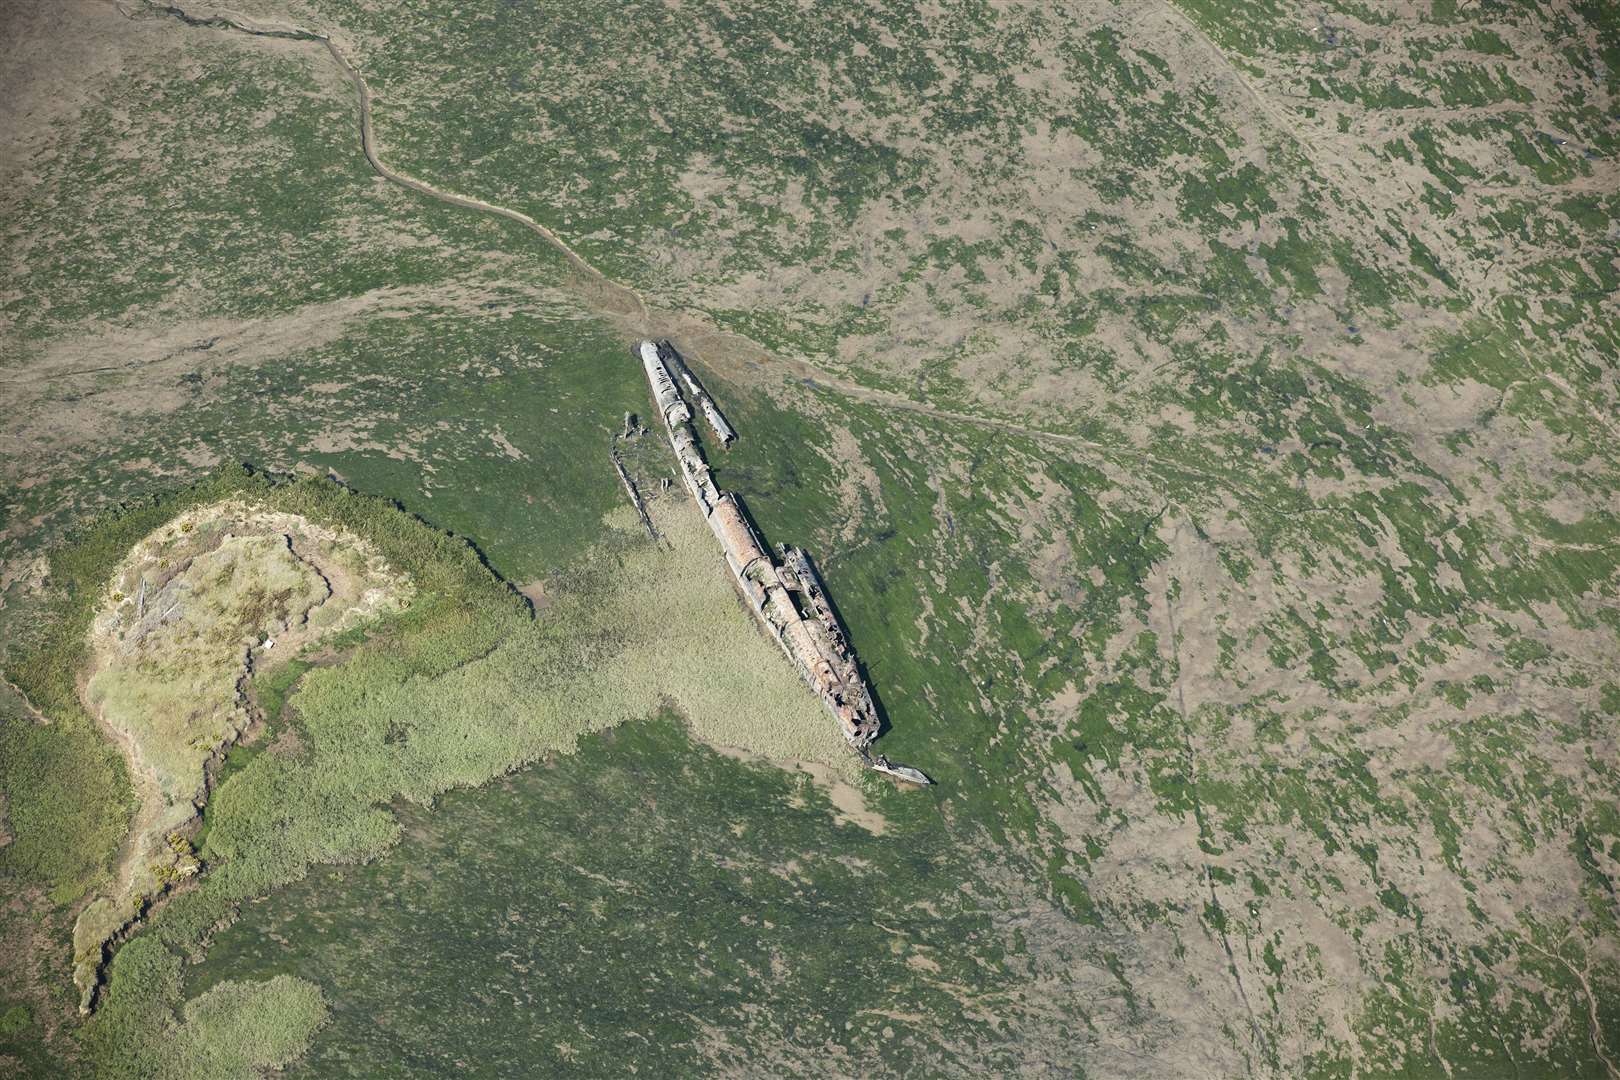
x=628, y=309
x=623, y=304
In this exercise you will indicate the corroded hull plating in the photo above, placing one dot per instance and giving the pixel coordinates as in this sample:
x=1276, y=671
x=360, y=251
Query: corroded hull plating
x=705, y=403
x=787, y=598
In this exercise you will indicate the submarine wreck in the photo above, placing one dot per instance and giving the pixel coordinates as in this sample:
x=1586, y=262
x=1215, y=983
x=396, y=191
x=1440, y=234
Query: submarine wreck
x=785, y=593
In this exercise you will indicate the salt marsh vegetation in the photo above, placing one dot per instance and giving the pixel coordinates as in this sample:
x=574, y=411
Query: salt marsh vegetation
x=447, y=681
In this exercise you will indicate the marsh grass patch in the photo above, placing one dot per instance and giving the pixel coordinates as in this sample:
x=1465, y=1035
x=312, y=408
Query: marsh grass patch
x=457, y=686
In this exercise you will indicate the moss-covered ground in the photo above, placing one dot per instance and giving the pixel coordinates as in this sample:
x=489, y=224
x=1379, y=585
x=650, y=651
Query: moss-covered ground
x=1203, y=413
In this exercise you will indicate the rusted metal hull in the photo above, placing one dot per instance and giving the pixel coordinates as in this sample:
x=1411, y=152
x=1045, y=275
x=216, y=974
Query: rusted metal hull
x=635, y=496
x=899, y=772
x=705, y=403
x=788, y=599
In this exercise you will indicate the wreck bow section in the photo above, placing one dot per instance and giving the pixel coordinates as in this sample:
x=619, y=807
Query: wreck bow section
x=711, y=411
x=787, y=597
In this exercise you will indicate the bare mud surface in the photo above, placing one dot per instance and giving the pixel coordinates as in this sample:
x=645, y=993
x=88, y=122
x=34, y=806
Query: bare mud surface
x=1207, y=412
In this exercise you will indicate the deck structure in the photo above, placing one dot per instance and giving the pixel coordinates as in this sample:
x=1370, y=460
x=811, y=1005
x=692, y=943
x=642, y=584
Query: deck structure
x=711, y=412
x=787, y=596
